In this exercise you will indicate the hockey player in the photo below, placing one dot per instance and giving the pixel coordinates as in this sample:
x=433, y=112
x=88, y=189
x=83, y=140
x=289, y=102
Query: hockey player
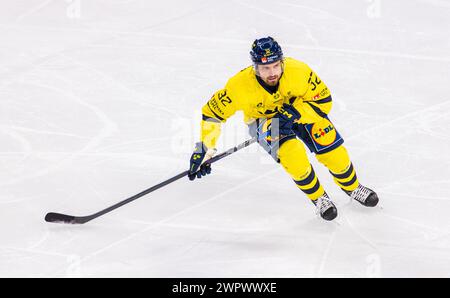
x=283, y=102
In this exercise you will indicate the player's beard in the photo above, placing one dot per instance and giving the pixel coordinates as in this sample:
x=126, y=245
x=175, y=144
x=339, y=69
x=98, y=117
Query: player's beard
x=272, y=80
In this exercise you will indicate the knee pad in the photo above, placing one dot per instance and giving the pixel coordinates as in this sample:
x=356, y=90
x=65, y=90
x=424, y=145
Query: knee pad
x=336, y=160
x=293, y=158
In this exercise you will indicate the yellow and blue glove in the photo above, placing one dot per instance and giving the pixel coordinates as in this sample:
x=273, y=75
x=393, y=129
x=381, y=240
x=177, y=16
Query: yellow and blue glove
x=197, y=167
x=286, y=116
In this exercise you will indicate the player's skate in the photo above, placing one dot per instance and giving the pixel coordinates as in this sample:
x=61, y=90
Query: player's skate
x=364, y=195
x=325, y=207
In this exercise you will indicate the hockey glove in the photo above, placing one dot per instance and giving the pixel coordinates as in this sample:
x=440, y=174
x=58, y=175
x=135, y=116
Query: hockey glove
x=286, y=116
x=197, y=167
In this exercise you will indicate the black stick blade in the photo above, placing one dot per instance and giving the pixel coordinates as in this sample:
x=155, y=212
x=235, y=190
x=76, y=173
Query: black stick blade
x=60, y=218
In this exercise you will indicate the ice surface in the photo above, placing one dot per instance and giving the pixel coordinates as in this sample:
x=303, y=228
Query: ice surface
x=101, y=99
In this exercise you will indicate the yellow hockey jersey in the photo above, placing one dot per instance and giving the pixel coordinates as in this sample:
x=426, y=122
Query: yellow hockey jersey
x=298, y=85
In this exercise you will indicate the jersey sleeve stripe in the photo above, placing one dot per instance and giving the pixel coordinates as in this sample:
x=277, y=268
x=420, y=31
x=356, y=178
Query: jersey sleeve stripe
x=325, y=100
x=208, y=118
x=317, y=110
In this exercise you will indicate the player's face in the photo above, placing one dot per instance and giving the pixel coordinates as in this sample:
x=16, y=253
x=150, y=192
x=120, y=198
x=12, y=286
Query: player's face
x=270, y=73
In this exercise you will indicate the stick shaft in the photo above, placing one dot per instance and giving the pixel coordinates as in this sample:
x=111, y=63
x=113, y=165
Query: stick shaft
x=57, y=217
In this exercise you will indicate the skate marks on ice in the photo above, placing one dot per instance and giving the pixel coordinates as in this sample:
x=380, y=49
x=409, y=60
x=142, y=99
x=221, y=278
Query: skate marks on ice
x=155, y=225
x=107, y=129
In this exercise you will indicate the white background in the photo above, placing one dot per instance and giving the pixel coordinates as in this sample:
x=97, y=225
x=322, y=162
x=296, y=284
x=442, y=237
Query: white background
x=101, y=99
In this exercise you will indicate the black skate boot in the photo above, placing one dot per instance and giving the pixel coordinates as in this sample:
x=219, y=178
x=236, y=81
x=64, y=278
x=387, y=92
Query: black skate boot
x=325, y=207
x=364, y=195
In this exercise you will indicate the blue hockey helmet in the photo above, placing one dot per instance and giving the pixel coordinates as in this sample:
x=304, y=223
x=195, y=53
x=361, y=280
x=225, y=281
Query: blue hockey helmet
x=266, y=50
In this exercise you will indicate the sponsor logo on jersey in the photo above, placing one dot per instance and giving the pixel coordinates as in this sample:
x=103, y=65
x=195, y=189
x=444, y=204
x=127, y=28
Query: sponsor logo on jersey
x=324, y=92
x=323, y=133
x=215, y=106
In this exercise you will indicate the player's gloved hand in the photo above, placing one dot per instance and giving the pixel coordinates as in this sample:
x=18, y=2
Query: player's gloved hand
x=197, y=167
x=286, y=116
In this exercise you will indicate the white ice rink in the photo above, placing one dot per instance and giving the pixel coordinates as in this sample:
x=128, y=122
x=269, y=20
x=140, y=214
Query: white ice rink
x=100, y=100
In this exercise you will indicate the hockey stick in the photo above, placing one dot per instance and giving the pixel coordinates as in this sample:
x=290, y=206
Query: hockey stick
x=69, y=219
